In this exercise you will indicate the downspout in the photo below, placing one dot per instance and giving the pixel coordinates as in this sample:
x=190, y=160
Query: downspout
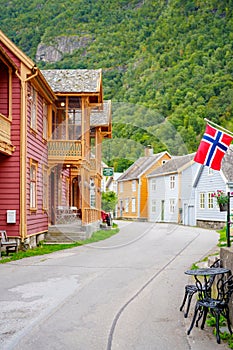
x=179, y=199
x=23, y=154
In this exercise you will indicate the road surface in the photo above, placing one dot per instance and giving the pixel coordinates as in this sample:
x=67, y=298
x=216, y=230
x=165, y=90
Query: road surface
x=123, y=293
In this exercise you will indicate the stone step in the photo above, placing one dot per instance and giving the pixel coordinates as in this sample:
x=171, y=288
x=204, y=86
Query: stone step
x=66, y=233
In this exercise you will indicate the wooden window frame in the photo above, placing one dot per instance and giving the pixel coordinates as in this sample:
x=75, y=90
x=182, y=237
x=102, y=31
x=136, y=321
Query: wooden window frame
x=45, y=187
x=45, y=120
x=33, y=184
x=33, y=98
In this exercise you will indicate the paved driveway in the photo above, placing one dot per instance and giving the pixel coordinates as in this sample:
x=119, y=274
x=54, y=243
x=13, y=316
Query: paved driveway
x=122, y=293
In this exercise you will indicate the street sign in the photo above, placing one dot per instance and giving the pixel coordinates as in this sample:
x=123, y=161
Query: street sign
x=108, y=171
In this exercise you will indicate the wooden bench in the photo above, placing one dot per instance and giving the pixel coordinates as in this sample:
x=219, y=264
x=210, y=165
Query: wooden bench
x=9, y=246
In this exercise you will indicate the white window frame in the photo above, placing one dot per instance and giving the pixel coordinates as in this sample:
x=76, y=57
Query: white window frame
x=134, y=185
x=126, y=205
x=202, y=200
x=133, y=204
x=210, y=200
x=153, y=206
x=172, y=205
x=121, y=186
x=172, y=182
x=153, y=184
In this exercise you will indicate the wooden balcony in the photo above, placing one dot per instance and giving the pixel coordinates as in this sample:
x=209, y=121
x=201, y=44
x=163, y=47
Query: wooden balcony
x=6, y=146
x=64, y=151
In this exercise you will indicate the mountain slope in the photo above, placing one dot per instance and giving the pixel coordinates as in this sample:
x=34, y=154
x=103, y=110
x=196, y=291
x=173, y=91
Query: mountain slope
x=167, y=65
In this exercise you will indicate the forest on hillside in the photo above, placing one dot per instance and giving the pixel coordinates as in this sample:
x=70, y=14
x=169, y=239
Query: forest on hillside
x=167, y=65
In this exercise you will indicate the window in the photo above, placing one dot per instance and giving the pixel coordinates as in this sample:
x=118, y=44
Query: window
x=202, y=200
x=153, y=184
x=33, y=184
x=127, y=205
x=134, y=186
x=153, y=206
x=33, y=98
x=172, y=181
x=45, y=121
x=210, y=201
x=210, y=171
x=121, y=186
x=45, y=188
x=172, y=206
x=133, y=205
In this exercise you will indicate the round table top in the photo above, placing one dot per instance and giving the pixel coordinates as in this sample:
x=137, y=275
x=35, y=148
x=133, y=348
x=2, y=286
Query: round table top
x=207, y=271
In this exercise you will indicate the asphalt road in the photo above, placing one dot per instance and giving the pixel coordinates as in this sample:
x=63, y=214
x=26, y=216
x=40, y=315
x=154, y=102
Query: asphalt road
x=123, y=293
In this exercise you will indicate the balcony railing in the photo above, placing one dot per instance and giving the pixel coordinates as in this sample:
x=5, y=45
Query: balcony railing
x=5, y=136
x=58, y=149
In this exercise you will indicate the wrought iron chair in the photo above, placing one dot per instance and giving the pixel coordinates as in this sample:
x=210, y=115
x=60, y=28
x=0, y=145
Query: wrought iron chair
x=216, y=306
x=191, y=289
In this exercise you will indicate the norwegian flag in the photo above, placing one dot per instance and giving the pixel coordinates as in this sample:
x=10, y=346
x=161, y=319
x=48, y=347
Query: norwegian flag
x=212, y=148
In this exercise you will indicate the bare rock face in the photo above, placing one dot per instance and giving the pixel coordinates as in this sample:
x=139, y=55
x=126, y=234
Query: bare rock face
x=60, y=46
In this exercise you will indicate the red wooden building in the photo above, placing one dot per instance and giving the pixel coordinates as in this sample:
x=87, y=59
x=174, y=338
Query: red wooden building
x=50, y=144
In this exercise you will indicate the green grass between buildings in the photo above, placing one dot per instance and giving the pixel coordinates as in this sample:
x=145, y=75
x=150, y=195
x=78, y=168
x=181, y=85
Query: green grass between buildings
x=44, y=248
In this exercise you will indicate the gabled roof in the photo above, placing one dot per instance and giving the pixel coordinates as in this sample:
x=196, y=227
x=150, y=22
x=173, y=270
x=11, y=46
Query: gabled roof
x=174, y=165
x=101, y=117
x=140, y=167
x=226, y=167
x=74, y=80
x=227, y=164
x=17, y=52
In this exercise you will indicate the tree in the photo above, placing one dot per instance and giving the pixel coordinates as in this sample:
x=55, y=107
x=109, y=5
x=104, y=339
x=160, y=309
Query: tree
x=109, y=201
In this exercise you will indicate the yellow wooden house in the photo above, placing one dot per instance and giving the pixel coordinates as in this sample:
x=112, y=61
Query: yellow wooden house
x=133, y=186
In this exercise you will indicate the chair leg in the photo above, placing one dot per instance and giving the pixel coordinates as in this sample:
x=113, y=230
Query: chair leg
x=228, y=320
x=188, y=305
x=184, y=300
x=217, y=316
x=205, y=311
x=193, y=320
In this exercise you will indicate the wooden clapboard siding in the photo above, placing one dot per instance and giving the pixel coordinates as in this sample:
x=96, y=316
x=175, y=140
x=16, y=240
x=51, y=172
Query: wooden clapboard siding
x=10, y=168
x=4, y=90
x=37, y=220
x=144, y=186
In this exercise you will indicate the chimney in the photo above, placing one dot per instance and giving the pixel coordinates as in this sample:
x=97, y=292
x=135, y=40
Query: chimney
x=148, y=151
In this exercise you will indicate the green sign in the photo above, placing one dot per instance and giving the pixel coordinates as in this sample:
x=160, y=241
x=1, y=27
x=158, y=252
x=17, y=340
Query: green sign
x=108, y=171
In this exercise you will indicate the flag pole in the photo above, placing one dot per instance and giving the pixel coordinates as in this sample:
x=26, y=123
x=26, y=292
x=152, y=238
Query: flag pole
x=218, y=126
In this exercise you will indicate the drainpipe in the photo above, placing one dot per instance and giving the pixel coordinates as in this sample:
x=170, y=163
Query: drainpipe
x=23, y=154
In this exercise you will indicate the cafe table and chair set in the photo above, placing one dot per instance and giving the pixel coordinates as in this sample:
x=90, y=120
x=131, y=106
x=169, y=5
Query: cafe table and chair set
x=213, y=288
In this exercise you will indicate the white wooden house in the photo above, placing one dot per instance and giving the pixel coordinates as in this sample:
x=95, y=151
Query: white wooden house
x=171, y=192
x=207, y=182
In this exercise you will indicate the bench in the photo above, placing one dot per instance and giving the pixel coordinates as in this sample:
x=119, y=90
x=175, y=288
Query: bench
x=9, y=246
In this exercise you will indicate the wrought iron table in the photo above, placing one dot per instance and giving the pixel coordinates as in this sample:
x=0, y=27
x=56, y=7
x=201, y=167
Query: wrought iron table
x=208, y=275
x=205, y=303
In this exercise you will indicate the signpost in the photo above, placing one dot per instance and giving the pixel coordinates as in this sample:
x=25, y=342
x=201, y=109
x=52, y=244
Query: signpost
x=107, y=171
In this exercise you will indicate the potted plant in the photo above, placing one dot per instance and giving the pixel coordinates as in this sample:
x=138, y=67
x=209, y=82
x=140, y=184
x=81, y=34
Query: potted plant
x=222, y=199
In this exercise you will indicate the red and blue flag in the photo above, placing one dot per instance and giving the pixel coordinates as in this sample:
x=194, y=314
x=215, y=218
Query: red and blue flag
x=212, y=148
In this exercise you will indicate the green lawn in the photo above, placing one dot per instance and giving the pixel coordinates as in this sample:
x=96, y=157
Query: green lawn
x=44, y=248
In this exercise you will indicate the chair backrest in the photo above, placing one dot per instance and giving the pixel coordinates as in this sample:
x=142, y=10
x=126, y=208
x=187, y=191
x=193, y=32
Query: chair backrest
x=225, y=289
x=3, y=236
x=217, y=263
